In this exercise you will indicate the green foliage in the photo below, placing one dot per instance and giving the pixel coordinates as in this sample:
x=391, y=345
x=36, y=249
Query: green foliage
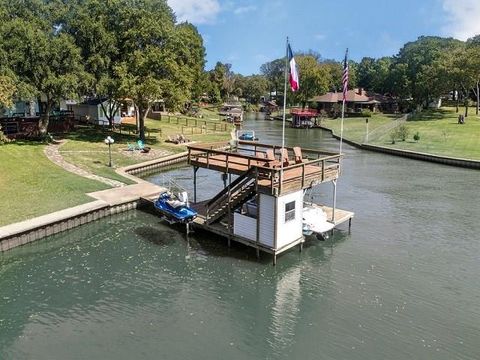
x=416, y=136
x=255, y=86
x=273, y=71
x=366, y=113
x=399, y=133
x=393, y=135
x=403, y=132
x=47, y=60
x=3, y=138
x=314, y=79
x=7, y=90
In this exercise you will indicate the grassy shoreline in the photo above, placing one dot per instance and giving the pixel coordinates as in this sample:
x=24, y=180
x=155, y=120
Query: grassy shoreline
x=440, y=133
x=33, y=186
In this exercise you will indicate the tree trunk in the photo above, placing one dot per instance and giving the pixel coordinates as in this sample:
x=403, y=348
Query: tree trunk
x=456, y=110
x=45, y=118
x=466, y=107
x=143, y=112
x=478, y=97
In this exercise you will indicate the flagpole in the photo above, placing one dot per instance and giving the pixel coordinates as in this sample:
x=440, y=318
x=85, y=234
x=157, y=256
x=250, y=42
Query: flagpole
x=343, y=107
x=284, y=111
x=345, y=89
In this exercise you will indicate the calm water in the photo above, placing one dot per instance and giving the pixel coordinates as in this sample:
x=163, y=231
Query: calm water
x=403, y=285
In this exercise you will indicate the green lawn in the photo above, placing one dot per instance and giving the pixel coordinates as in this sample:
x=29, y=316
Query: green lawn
x=32, y=185
x=355, y=128
x=440, y=134
x=86, y=149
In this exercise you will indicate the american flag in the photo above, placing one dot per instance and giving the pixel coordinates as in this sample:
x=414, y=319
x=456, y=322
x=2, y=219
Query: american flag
x=345, y=76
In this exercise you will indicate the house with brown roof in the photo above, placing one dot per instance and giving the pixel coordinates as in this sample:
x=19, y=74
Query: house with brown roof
x=357, y=100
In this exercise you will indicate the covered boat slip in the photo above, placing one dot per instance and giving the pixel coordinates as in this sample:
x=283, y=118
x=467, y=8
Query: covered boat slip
x=300, y=170
x=262, y=205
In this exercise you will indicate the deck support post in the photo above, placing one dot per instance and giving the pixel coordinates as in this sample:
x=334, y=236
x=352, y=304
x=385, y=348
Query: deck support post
x=274, y=259
x=334, y=199
x=224, y=178
x=349, y=225
x=258, y=252
x=195, y=169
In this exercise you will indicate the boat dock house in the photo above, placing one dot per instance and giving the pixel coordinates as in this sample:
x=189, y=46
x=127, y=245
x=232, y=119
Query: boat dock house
x=262, y=206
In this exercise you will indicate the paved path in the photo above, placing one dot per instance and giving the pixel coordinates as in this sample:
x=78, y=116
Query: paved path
x=54, y=155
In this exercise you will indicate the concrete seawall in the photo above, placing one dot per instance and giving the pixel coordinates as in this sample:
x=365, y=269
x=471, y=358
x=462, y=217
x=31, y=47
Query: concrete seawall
x=28, y=231
x=446, y=160
x=108, y=202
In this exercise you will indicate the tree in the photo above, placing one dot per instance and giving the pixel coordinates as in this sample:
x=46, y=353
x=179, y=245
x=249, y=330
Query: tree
x=473, y=65
x=46, y=60
x=314, y=79
x=419, y=57
x=274, y=72
x=366, y=73
x=255, y=87
x=335, y=71
x=92, y=24
x=162, y=60
x=7, y=90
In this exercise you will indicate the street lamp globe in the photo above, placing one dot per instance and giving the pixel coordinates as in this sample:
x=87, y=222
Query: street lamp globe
x=109, y=141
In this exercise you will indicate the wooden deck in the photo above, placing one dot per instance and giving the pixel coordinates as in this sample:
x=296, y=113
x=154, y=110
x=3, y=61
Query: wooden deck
x=271, y=178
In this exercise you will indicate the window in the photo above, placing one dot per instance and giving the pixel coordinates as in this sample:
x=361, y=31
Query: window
x=290, y=211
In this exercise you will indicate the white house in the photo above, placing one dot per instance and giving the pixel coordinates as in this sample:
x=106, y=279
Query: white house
x=92, y=111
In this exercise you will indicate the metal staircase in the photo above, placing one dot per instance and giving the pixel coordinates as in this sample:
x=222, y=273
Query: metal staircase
x=231, y=197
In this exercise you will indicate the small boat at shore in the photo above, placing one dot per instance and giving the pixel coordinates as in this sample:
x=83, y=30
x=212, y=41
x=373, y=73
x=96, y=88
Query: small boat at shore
x=247, y=135
x=315, y=220
x=174, y=208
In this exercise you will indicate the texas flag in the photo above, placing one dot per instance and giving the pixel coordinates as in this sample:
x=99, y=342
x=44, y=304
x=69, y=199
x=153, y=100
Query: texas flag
x=293, y=74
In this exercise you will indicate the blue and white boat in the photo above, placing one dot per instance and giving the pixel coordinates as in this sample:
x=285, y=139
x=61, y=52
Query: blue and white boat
x=174, y=208
x=248, y=135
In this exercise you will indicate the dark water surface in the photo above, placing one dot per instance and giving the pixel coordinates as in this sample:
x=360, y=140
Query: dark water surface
x=404, y=284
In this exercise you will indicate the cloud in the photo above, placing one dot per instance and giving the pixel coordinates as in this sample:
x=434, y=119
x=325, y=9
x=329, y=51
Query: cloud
x=195, y=11
x=320, y=37
x=463, y=18
x=244, y=9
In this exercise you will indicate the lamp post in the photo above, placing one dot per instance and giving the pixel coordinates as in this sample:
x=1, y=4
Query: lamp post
x=109, y=141
x=366, y=135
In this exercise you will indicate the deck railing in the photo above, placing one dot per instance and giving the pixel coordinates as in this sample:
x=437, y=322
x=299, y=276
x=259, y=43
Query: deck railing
x=304, y=174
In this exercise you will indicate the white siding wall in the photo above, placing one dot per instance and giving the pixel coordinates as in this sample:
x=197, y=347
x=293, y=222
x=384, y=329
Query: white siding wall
x=245, y=226
x=267, y=211
x=290, y=231
x=103, y=119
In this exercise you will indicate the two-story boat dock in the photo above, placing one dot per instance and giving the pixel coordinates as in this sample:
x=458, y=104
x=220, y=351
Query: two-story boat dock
x=263, y=206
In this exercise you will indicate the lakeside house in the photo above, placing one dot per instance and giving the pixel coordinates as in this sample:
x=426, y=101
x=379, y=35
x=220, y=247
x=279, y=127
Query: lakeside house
x=156, y=110
x=92, y=111
x=357, y=100
x=269, y=106
x=232, y=110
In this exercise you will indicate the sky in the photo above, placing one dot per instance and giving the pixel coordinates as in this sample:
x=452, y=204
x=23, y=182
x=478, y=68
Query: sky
x=248, y=33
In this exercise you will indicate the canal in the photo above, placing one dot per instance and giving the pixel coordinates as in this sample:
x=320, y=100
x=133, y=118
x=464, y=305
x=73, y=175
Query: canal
x=403, y=284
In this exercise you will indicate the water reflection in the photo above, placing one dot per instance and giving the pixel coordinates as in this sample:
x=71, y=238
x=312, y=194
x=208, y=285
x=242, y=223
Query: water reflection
x=403, y=284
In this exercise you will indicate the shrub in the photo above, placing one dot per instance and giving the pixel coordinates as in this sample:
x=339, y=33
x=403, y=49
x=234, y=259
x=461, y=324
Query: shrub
x=403, y=132
x=366, y=113
x=393, y=135
x=416, y=136
x=3, y=138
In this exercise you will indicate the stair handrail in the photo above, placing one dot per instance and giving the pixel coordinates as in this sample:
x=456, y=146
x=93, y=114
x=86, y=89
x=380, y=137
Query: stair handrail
x=231, y=186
